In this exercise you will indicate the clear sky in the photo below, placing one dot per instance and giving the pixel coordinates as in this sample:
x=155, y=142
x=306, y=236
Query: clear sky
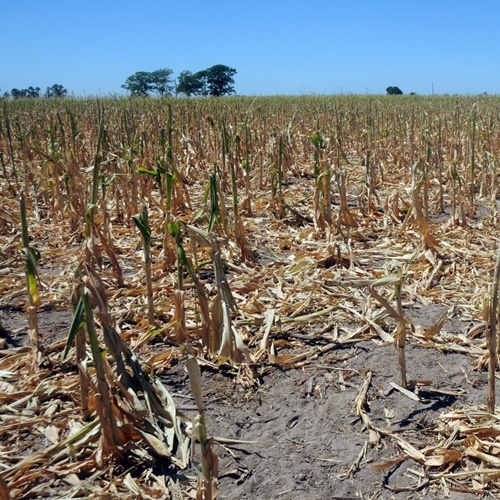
x=276, y=46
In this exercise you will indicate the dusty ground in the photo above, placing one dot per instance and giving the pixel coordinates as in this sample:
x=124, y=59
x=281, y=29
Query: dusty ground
x=309, y=442
x=299, y=432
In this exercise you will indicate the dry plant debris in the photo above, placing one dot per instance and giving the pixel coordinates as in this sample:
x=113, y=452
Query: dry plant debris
x=279, y=230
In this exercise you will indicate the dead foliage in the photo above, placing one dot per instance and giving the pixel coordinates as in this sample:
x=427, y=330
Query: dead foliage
x=322, y=224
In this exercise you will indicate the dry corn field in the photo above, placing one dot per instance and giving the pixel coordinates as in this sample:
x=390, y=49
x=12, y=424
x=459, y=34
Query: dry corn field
x=249, y=298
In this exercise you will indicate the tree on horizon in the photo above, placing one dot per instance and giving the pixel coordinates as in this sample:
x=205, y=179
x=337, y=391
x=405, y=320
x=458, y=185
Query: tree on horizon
x=215, y=81
x=394, y=91
x=57, y=90
x=142, y=83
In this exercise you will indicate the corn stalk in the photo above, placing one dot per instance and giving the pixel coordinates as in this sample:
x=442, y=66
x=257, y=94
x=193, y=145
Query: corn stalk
x=239, y=229
x=398, y=315
x=207, y=490
x=84, y=318
x=124, y=393
x=183, y=262
x=428, y=239
x=142, y=223
x=493, y=341
x=31, y=257
x=225, y=339
x=168, y=242
x=322, y=201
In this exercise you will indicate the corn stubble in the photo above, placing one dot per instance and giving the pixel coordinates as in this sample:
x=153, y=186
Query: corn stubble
x=256, y=218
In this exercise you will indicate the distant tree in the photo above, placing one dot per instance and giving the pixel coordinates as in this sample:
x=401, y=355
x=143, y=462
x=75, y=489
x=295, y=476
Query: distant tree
x=394, y=91
x=138, y=84
x=143, y=83
x=219, y=80
x=203, y=78
x=56, y=90
x=161, y=82
x=30, y=92
x=191, y=84
x=33, y=92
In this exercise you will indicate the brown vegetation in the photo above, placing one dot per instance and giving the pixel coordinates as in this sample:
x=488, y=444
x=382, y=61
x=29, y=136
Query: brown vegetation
x=237, y=235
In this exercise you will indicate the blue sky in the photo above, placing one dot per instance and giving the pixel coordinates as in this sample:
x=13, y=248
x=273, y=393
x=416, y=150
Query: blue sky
x=276, y=46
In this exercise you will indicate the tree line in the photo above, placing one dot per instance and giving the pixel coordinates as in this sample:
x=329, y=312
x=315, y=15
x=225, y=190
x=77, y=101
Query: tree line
x=56, y=90
x=215, y=81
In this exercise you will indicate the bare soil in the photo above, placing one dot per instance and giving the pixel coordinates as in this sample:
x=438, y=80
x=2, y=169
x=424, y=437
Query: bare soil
x=306, y=439
x=298, y=434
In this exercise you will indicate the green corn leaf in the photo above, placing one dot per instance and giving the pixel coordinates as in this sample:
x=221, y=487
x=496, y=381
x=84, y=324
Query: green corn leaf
x=318, y=141
x=170, y=155
x=160, y=167
x=169, y=181
x=92, y=334
x=31, y=257
x=183, y=257
x=145, y=231
x=214, y=202
x=77, y=323
x=33, y=289
x=95, y=177
x=141, y=221
x=152, y=173
x=90, y=208
x=174, y=228
x=34, y=256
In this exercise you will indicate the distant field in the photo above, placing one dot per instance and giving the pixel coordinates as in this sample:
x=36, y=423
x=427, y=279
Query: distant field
x=247, y=237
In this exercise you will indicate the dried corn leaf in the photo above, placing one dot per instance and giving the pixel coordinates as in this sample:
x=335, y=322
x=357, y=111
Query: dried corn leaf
x=441, y=457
